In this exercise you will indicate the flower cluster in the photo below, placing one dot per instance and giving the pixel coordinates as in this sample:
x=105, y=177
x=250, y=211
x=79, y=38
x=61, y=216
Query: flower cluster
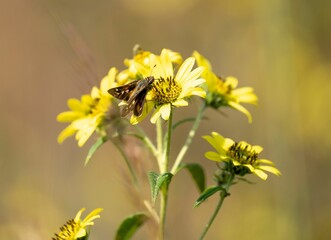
x=77, y=228
x=155, y=85
x=240, y=158
x=170, y=88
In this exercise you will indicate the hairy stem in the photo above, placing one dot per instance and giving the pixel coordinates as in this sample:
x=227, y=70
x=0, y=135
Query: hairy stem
x=164, y=169
x=223, y=195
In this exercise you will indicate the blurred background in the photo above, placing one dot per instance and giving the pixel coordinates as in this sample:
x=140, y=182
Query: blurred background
x=52, y=50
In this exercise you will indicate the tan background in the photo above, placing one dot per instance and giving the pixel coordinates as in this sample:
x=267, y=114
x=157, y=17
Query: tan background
x=56, y=49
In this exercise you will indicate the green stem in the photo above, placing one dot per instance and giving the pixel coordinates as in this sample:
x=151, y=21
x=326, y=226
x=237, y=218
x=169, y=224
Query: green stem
x=223, y=195
x=188, y=139
x=159, y=136
x=159, y=143
x=163, y=210
x=164, y=169
x=218, y=207
x=166, y=154
x=127, y=161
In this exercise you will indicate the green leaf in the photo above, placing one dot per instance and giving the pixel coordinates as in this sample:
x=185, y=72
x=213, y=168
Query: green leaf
x=130, y=225
x=207, y=193
x=197, y=173
x=157, y=182
x=94, y=148
x=152, y=178
x=163, y=181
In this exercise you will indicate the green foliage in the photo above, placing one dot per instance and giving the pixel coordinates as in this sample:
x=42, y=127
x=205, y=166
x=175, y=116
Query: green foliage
x=130, y=225
x=208, y=193
x=197, y=173
x=158, y=182
x=94, y=148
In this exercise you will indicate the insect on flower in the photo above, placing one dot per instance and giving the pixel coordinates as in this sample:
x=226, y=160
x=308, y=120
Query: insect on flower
x=134, y=93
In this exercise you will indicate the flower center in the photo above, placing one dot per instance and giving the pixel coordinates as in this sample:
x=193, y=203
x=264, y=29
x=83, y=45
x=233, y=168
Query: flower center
x=222, y=87
x=243, y=153
x=93, y=105
x=165, y=91
x=68, y=231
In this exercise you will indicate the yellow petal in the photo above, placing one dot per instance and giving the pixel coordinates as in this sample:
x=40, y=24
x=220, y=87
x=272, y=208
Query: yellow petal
x=184, y=70
x=74, y=104
x=77, y=217
x=213, y=156
x=241, y=109
x=81, y=233
x=260, y=174
x=270, y=169
x=95, y=93
x=193, y=91
x=216, y=145
x=65, y=133
x=69, y=116
x=142, y=69
x=257, y=148
x=108, y=81
x=165, y=111
x=86, y=127
x=156, y=115
x=192, y=76
x=180, y=103
x=167, y=64
x=231, y=81
x=201, y=60
x=266, y=161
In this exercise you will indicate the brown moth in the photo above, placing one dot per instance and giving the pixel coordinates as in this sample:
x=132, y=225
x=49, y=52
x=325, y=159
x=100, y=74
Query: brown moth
x=134, y=93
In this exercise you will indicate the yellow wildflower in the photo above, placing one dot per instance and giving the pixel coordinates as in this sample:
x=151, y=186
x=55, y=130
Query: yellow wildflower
x=90, y=113
x=142, y=57
x=241, y=158
x=169, y=90
x=77, y=228
x=223, y=92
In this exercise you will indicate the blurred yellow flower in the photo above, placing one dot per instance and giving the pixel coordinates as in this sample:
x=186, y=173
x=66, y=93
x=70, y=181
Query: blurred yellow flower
x=90, y=113
x=142, y=57
x=168, y=90
x=223, y=92
x=77, y=228
x=241, y=158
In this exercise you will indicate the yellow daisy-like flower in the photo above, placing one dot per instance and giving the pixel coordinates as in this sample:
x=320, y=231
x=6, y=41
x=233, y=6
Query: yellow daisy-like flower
x=223, y=92
x=169, y=90
x=241, y=158
x=142, y=57
x=77, y=228
x=90, y=113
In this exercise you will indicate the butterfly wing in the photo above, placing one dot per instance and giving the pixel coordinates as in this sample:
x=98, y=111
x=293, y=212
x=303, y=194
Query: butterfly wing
x=134, y=94
x=139, y=104
x=124, y=92
x=135, y=104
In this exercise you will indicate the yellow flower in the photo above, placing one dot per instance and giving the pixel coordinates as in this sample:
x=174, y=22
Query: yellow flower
x=141, y=57
x=90, y=113
x=77, y=228
x=169, y=90
x=240, y=158
x=223, y=92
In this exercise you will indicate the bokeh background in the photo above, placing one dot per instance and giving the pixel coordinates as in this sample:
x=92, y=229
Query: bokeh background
x=51, y=50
